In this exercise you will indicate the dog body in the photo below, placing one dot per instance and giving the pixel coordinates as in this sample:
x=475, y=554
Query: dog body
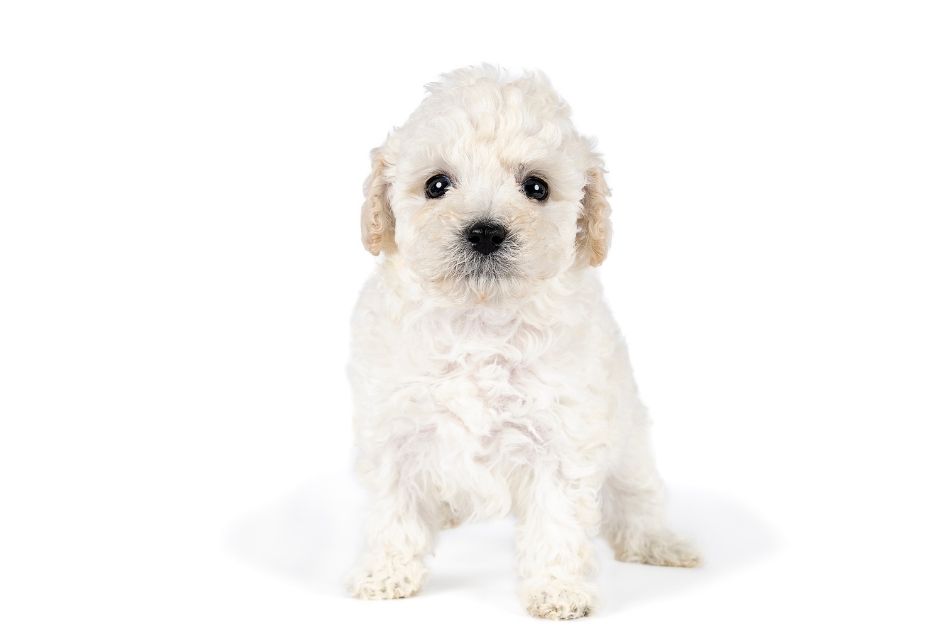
x=488, y=375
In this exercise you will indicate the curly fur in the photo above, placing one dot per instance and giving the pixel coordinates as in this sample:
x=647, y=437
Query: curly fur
x=489, y=386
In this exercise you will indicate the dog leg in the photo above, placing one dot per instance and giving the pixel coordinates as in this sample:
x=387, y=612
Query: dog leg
x=399, y=535
x=557, y=519
x=633, y=516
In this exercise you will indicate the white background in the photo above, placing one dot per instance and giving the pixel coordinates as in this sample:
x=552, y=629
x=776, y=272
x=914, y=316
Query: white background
x=179, y=256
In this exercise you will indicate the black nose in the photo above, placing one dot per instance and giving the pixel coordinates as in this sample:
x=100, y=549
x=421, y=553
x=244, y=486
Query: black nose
x=486, y=237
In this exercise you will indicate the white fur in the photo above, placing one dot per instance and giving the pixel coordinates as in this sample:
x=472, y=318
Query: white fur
x=480, y=395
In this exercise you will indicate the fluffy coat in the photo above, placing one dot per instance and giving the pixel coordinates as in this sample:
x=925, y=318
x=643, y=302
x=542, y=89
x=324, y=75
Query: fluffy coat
x=485, y=386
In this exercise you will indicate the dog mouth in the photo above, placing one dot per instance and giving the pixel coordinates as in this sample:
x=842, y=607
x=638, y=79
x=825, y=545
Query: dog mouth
x=484, y=252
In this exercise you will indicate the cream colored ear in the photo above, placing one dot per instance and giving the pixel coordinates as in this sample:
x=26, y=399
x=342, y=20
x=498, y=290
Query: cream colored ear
x=377, y=219
x=593, y=236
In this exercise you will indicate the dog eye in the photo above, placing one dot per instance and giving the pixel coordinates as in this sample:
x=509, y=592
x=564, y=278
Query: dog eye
x=437, y=186
x=535, y=188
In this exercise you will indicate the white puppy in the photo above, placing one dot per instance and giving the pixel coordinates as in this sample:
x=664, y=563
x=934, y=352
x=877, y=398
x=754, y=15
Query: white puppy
x=488, y=375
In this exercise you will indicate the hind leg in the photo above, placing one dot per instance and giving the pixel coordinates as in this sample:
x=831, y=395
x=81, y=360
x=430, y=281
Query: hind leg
x=633, y=515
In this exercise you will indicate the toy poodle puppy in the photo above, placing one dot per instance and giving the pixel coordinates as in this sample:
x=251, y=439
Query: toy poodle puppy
x=489, y=377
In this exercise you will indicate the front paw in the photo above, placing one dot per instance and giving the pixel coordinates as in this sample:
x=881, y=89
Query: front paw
x=557, y=599
x=386, y=577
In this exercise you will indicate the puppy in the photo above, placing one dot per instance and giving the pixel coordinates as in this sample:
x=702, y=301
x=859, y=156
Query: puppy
x=489, y=377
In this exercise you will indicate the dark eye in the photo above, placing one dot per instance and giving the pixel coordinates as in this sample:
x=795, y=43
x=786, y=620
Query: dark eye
x=437, y=186
x=535, y=188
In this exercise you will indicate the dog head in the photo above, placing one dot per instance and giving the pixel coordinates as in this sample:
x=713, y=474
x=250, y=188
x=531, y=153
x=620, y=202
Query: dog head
x=487, y=189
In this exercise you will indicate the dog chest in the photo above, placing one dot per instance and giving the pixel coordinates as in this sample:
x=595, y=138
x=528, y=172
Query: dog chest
x=491, y=393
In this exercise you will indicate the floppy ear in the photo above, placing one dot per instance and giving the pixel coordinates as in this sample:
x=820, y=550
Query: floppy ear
x=593, y=237
x=377, y=219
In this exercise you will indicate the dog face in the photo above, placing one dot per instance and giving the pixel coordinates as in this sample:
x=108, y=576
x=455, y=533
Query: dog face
x=487, y=189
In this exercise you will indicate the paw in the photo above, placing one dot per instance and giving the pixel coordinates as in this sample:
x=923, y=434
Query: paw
x=557, y=599
x=662, y=548
x=387, y=577
x=449, y=517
